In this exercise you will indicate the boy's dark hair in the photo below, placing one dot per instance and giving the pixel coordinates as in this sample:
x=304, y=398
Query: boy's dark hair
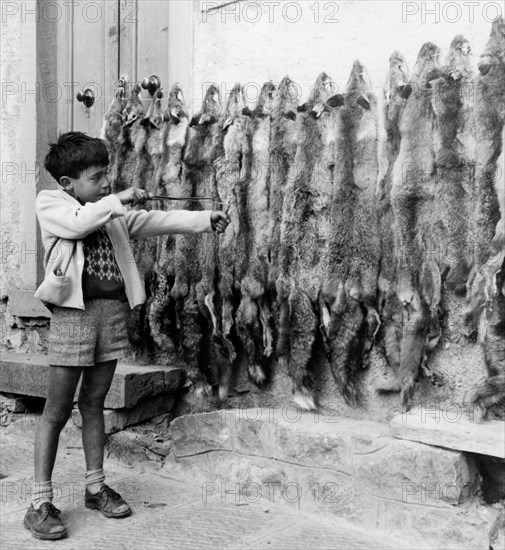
x=73, y=153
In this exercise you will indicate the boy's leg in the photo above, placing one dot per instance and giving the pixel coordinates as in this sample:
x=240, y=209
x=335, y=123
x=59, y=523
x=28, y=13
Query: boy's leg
x=42, y=517
x=60, y=399
x=96, y=382
x=95, y=385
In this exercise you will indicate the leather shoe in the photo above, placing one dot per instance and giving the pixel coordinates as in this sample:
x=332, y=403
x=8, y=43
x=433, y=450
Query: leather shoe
x=110, y=503
x=44, y=522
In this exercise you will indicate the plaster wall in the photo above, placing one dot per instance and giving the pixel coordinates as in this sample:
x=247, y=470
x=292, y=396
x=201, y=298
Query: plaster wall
x=10, y=146
x=252, y=42
x=28, y=123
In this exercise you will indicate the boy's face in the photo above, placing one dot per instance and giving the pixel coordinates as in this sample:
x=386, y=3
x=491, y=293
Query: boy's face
x=91, y=186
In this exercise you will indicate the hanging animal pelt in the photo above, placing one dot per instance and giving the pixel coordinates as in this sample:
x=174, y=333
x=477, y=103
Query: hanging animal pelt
x=413, y=180
x=112, y=134
x=162, y=314
x=282, y=153
x=454, y=149
x=389, y=309
x=348, y=303
x=489, y=202
x=195, y=255
x=492, y=390
x=232, y=174
x=304, y=235
x=254, y=315
x=150, y=146
x=149, y=150
x=486, y=300
x=133, y=133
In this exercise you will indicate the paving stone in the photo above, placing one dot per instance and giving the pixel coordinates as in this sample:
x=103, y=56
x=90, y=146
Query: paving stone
x=27, y=374
x=450, y=429
x=199, y=433
x=318, y=534
x=452, y=528
x=117, y=419
x=126, y=446
x=330, y=451
x=416, y=473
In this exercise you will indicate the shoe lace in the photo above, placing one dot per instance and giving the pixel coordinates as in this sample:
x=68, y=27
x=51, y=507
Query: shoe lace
x=52, y=510
x=110, y=492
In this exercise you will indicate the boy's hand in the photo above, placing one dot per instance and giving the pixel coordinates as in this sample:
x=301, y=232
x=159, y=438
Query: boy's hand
x=133, y=196
x=219, y=221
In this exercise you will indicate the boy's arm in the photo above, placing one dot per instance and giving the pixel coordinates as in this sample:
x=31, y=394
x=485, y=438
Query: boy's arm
x=143, y=224
x=70, y=220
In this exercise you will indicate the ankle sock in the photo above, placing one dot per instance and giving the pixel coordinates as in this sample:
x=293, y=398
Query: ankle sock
x=41, y=492
x=95, y=480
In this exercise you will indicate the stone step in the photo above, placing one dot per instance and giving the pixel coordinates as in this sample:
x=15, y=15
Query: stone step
x=27, y=374
x=337, y=467
x=117, y=419
x=451, y=429
x=12, y=404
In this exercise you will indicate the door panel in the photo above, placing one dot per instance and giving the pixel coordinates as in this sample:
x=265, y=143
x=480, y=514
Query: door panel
x=95, y=54
x=152, y=43
x=128, y=23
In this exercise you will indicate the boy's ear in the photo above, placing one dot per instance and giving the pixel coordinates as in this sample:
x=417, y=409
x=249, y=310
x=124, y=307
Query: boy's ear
x=66, y=183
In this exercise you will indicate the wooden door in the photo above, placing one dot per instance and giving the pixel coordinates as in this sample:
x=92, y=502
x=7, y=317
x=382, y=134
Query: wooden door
x=103, y=40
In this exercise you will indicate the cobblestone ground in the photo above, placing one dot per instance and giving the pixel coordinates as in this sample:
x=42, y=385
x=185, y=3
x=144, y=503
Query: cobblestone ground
x=167, y=513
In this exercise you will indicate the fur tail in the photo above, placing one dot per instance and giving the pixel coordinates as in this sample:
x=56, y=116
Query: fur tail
x=283, y=337
x=346, y=357
x=415, y=325
x=231, y=354
x=266, y=323
x=490, y=392
x=391, y=340
x=250, y=333
x=162, y=317
x=191, y=338
x=303, y=329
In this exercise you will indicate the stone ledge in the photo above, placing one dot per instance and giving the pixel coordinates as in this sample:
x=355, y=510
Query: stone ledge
x=117, y=419
x=345, y=468
x=23, y=303
x=442, y=429
x=361, y=450
x=27, y=374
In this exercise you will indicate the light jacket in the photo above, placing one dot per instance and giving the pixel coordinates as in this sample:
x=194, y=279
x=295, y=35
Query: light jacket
x=63, y=217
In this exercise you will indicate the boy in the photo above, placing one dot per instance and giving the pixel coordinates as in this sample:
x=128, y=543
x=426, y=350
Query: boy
x=91, y=281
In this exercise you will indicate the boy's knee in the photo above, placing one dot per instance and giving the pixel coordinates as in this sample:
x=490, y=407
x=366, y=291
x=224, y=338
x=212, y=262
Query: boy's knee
x=89, y=404
x=57, y=416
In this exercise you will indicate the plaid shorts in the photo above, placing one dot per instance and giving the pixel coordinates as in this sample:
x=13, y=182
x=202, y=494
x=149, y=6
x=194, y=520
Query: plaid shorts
x=83, y=338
